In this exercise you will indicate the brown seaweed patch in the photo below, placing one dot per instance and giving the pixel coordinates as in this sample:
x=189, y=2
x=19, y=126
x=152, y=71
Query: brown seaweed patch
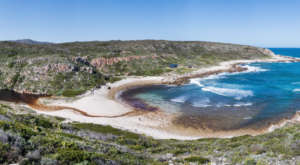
x=139, y=104
x=213, y=128
x=50, y=108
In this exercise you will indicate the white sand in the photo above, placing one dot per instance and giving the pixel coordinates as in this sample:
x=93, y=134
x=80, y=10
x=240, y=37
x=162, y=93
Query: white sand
x=156, y=124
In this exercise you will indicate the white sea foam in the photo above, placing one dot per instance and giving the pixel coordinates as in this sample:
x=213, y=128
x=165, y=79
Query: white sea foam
x=236, y=105
x=180, y=99
x=202, y=103
x=296, y=90
x=296, y=83
x=254, y=68
x=196, y=81
x=218, y=76
x=221, y=105
x=170, y=85
x=242, y=104
x=215, y=76
x=235, y=93
x=248, y=118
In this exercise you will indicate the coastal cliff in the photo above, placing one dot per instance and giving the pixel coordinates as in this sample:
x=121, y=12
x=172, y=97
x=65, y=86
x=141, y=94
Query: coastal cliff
x=55, y=68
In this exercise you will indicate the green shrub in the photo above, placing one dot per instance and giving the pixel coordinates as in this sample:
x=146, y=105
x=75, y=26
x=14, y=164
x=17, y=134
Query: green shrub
x=67, y=156
x=4, y=148
x=106, y=129
x=27, y=133
x=157, y=71
x=10, y=65
x=48, y=161
x=198, y=159
x=250, y=161
x=15, y=79
x=71, y=136
x=82, y=163
x=136, y=147
x=43, y=122
x=180, y=151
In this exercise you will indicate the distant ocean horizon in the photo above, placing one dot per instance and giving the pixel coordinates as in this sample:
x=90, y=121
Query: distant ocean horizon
x=264, y=94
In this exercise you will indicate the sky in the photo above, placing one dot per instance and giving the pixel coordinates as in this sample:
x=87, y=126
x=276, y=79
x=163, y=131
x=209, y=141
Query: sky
x=263, y=23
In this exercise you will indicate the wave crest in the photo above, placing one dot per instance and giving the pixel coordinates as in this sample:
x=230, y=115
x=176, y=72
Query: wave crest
x=196, y=81
x=202, y=103
x=180, y=99
x=296, y=90
x=254, y=68
x=235, y=93
x=242, y=104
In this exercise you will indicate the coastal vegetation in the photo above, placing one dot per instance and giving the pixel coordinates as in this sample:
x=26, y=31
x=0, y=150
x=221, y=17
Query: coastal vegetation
x=29, y=138
x=70, y=69
x=54, y=68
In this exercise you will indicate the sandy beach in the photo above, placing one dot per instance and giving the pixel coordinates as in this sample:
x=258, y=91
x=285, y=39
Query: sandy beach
x=157, y=124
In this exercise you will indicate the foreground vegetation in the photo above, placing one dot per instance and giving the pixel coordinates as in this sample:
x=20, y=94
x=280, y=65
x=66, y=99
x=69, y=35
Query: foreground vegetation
x=28, y=138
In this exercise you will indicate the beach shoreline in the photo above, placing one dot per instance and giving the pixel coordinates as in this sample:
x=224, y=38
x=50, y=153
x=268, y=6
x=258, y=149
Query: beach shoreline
x=156, y=124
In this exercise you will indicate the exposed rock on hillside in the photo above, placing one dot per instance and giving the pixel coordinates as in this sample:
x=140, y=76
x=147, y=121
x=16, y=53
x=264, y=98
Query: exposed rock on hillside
x=81, y=60
x=99, y=63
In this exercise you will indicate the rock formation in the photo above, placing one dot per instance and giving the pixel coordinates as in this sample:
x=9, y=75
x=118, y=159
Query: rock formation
x=100, y=63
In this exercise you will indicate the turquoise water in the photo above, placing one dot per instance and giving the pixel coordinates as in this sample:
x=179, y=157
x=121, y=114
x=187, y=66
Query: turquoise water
x=265, y=94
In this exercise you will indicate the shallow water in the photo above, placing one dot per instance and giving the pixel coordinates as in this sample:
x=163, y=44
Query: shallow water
x=265, y=94
x=12, y=96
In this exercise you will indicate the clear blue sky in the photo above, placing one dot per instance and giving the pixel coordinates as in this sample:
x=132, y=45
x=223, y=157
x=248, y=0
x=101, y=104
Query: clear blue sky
x=264, y=23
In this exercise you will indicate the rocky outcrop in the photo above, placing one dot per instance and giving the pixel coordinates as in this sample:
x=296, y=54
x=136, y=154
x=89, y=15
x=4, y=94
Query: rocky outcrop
x=87, y=69
x=267, y=52
x=184, y=79
x=60, y=67
x=261, y=51
x=81, y=60
x=100, y=63
x=39, y=59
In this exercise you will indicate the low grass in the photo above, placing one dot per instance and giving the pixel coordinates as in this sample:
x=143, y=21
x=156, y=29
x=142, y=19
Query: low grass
x=183, y=70
x=60, y=118
x=114, y=79
x=106, y=130
x=72, y=93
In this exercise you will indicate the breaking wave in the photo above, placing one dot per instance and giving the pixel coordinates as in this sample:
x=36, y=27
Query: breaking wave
x=180, y=99
x=242, y=104
x=222, y=105
x=254, y=68
x=235, y=93
x=196, y=81
x=202, y=103
x=296, y=90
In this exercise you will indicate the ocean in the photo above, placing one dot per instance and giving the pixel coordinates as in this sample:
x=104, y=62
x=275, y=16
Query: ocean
x=263, y=95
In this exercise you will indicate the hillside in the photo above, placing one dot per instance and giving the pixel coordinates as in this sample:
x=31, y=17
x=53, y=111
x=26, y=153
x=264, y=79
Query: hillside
x=29, y=138
x=54, y=68
x=29, y=41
